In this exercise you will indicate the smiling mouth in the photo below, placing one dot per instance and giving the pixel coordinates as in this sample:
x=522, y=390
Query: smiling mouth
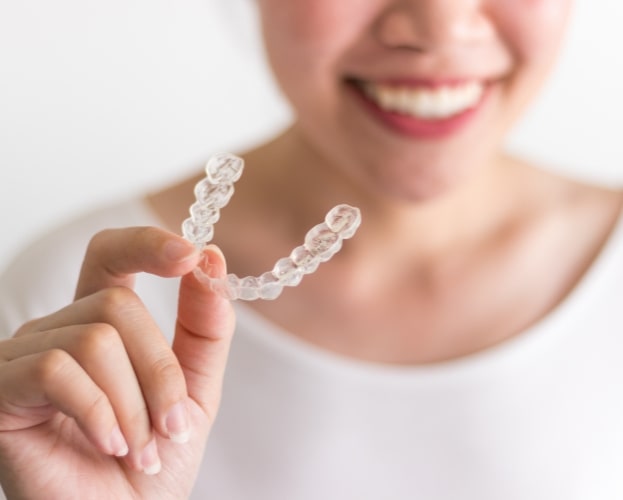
x=424, y=102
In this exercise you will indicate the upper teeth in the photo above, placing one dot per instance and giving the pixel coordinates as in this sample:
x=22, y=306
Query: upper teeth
x=425, y=102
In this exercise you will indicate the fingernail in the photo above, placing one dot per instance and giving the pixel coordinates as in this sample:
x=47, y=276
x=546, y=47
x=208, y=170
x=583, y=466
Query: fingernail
x=178, y=251
x=215, y=249
x=213, y=269
x=150, y=461
x=118, y=444
x=176, y=423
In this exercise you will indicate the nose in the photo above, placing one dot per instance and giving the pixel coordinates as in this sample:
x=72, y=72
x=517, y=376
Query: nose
x=430, y=25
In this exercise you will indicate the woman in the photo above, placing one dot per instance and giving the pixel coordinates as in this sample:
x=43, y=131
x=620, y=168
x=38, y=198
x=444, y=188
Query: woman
x=462, y=345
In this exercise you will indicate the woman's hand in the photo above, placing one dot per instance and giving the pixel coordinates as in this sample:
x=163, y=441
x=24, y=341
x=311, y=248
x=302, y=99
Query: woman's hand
x=93, y=401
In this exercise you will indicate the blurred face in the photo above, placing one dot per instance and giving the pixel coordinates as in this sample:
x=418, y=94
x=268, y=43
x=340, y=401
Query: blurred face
x=409, y=96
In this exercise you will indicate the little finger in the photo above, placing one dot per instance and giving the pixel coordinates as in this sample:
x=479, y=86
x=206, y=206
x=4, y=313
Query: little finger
x=54, y=379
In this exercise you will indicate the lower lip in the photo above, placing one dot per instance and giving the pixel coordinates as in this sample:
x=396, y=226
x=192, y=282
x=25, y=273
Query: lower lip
x=419, y=128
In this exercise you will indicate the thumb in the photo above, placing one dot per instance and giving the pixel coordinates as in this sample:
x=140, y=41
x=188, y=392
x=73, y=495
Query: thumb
x=203, y=331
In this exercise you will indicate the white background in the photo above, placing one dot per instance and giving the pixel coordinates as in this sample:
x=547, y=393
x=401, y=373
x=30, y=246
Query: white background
x=99, y=99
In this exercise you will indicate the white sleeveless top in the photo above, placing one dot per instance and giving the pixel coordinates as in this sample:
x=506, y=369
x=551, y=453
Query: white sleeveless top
x=538, y=417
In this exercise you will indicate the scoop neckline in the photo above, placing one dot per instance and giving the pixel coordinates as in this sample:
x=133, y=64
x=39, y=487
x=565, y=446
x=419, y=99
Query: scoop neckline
x=484, y=362
x=539, y=337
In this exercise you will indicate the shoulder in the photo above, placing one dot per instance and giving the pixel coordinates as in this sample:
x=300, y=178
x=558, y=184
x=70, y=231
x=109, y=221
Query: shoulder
x=592, y=212
x=42, y=277
x=546, y=195
x=568, y=230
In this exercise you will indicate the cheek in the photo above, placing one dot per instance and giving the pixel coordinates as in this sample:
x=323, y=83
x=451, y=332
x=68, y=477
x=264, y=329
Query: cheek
x=314, y=30
x=305, y=42
x=533, y=29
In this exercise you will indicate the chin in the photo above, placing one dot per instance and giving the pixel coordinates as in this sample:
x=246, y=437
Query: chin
x=429, y=182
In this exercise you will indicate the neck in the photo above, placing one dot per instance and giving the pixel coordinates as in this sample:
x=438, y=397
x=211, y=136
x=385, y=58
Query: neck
x=307, y=185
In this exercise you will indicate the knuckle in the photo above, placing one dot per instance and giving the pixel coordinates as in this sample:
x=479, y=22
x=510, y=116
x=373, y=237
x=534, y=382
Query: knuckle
x=95, y=410
x=117, y=299
x=97, y=240
x=98, y=338
x=165, y=370
x=52, y=364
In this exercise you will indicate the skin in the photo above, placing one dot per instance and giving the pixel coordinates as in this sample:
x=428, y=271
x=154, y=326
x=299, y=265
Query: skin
x=443, y=218
x=101, y=363
x=313, y=46
x=420, y=282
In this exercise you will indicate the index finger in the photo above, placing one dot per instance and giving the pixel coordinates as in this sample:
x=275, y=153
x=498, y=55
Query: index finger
x=114, y=256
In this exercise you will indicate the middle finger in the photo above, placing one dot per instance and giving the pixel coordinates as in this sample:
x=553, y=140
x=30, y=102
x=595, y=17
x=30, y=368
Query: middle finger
x=154, y=374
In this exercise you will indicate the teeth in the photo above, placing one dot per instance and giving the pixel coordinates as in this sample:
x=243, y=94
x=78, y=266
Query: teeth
x=427, y=103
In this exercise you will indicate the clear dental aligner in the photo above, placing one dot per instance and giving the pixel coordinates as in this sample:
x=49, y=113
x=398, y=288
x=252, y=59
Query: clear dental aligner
x=322, y=241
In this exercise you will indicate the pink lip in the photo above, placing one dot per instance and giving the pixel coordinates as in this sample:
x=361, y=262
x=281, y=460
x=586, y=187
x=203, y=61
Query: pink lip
x=419, y=128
